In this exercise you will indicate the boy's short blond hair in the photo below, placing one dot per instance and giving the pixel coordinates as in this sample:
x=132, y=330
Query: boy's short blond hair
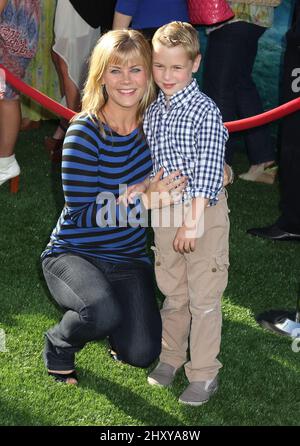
x=179, y=33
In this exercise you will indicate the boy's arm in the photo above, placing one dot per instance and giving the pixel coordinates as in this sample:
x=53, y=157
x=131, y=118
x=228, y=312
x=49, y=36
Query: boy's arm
x=192, y=228
x=208, y=178
x=209, y=156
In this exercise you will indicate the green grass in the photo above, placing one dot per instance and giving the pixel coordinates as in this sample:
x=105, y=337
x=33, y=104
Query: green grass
x=260, y=375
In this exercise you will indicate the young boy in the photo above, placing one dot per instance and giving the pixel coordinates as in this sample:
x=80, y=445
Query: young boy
x=185, y=131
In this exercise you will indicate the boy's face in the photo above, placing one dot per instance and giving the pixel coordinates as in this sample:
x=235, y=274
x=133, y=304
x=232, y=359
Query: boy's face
x=172, y=68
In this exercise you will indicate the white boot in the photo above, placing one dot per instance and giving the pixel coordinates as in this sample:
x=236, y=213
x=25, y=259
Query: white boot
x=9, y=168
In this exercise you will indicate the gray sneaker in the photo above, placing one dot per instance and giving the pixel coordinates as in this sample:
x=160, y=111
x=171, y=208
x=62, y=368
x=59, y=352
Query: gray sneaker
x=163, y=375
x=199, y=392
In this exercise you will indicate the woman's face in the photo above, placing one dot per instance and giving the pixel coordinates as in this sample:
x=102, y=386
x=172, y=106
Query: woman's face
x=126, y=84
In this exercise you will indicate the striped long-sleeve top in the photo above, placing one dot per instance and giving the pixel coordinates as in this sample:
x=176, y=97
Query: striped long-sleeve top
x=93, y=167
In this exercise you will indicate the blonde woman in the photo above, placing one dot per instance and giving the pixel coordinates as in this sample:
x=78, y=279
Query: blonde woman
x=96, y=268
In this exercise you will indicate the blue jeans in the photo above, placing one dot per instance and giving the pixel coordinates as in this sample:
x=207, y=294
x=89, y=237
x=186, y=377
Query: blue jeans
x=100, y=300
x=227, y=79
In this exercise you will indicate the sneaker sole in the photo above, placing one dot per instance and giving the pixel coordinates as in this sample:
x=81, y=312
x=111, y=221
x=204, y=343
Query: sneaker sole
x=194, y=404
x=197, y=403
x=153, y=382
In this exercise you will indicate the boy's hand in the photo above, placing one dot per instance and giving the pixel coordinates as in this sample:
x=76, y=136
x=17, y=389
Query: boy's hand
x=182, y=243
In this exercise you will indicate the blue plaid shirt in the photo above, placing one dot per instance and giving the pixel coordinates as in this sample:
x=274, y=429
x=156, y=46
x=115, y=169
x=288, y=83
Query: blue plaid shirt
x=188, y=134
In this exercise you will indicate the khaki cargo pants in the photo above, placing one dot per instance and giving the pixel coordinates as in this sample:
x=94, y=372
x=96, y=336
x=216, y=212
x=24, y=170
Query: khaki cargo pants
x=193, y=285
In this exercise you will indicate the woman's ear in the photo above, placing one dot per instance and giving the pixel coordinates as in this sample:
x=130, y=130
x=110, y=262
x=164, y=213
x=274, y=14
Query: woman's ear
x=196, y=63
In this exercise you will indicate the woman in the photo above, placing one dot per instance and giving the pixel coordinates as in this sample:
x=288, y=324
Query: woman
x=148, y=15
x=18, y=41
x=227, y=79
x=99, y=273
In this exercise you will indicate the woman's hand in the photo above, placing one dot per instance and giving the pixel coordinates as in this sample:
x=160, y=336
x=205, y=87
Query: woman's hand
x=164, y=192
x=133, y=191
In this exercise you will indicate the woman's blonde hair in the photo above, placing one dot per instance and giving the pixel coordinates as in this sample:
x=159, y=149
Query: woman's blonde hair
x=116, y=48
x=179, y=33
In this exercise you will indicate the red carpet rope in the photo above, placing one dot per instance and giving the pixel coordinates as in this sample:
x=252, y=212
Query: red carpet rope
x=233, y=126
x=37, y=96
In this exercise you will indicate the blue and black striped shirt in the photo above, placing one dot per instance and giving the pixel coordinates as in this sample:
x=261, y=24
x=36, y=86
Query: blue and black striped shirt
x=93, y=167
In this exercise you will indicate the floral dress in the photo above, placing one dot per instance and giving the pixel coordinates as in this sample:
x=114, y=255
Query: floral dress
x=19, y=23
x=258, y=14
x=42, y=74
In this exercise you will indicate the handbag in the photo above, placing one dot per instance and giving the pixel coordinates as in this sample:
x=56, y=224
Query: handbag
x=209, y=12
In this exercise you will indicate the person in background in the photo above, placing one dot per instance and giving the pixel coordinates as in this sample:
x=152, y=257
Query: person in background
x=227, y=79
x=74, y=40
x=287, y=226
x=19, y=23
x=148, y=15
x=42, y=74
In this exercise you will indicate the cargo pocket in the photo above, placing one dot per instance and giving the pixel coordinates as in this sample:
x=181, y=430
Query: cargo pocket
x=219, y=270
x=165, y=285
x=157, y=256
x=222, y=261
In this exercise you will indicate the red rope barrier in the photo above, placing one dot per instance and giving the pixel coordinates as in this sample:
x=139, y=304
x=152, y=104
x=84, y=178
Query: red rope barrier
x=37, y=96
x=264, y=118
x=233, y=126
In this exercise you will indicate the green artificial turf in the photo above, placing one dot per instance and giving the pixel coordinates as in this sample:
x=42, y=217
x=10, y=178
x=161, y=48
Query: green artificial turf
x=259, y=381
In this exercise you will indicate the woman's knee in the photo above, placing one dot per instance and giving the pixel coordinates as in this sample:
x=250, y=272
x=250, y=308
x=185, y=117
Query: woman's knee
x=142, y=356
x=104, y=315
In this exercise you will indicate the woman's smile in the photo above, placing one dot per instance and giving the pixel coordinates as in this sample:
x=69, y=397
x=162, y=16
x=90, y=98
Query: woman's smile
x=127, y=92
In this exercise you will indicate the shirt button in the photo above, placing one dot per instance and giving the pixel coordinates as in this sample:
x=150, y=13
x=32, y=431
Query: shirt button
x=214, y=270
x=158, y=263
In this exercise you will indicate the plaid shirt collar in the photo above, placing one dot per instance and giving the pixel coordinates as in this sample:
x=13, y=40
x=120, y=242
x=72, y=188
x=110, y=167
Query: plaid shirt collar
x=178, y=99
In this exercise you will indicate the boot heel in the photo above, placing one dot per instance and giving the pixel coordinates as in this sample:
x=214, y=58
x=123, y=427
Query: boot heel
x=14, y=184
